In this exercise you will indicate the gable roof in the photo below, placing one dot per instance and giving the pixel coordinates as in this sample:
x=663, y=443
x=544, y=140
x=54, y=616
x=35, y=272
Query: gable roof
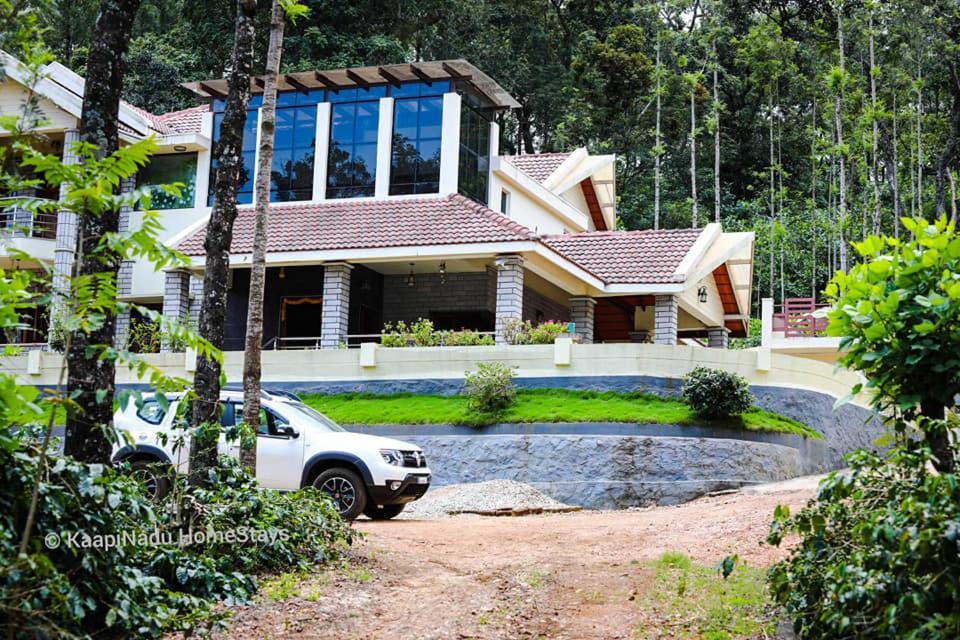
x=369, y=224
x=628, y=257
x=185, y=120
x=538, y=166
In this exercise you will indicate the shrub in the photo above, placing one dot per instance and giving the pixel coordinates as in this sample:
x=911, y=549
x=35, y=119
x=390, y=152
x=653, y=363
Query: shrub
x=754, y=336
x=422, y=334
x=134, y=589
x=878, y=556
x=714, y=393
x=524, y=332
x=466, y=338
x=490, y=389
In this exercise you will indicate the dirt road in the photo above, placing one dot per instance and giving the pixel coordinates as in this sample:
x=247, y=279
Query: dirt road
x=569, y=576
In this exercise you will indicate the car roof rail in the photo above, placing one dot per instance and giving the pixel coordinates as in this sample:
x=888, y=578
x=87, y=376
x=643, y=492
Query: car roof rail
x=264, y=392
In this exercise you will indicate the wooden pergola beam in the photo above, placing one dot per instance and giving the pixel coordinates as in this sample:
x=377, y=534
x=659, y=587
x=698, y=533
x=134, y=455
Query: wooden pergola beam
x=296, y=84
x=358, y=79
x=417, y=71
x=325, y=80
x=389, y=77
x=210, y=90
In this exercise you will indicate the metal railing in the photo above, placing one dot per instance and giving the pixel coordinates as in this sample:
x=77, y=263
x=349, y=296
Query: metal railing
x=19, y=221
x=797, y=320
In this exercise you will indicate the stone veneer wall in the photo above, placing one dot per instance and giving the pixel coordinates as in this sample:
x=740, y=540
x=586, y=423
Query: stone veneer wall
x=474, y=291
x=534, y=301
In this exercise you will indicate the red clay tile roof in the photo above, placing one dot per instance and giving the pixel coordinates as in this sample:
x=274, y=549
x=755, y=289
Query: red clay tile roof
x=369, y=224
x=538, y=166
x=627, y=257
x=185, y=120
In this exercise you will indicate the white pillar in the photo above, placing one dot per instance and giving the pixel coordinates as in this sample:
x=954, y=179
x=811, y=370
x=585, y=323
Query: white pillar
x=203, y=163
x=493, y=185
x=125, y=273
x=450, y=144
x=509, y=293
x=766, y=322
x=384, y=148
x=321, y=154
x=335, y=314
x=581, y=313
x=665, y=320
x=66, y=243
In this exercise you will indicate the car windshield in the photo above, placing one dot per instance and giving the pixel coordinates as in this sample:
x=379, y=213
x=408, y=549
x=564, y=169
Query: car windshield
x=315, y=416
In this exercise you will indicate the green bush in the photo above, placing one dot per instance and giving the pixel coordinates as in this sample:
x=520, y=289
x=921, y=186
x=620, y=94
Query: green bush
x=525, y=332
x=134, y=589
x=878, y=556
x=422, y=334
x=714, y=393
x=490, y=389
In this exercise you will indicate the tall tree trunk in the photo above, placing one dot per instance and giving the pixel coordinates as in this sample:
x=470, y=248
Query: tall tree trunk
x=693, y=157
x=228, y=152
x=90, y=381
x=813, y=201
x=716, y=135
x=948, y=156
x=773, y=196
x=919, y=138
x=838, y=105
x=656, y=150
x=873, y=119
x=258, y=268
x=953, y=197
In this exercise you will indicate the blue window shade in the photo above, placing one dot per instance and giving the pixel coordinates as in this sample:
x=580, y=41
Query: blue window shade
x=291, y=174
x=245, y=183
x=352, y=163
x=415, y=163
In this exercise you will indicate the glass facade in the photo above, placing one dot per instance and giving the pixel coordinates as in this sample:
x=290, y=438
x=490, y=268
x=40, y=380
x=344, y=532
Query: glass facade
x=417, y=120
x=245, y=183
x=168, y=169
x=352, y=161
x=474, y=150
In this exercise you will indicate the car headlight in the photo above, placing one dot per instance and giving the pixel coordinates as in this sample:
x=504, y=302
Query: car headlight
x=392, y=456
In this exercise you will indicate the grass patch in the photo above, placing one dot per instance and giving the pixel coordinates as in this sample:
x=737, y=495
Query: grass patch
x=538, y=405
x=688, y=600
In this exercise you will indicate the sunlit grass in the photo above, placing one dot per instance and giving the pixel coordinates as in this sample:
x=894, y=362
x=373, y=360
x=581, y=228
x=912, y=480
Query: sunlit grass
x=538, y=405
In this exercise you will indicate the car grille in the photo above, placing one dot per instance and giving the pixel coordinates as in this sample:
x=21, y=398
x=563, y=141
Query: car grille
x=414, y=491
x=414, y=459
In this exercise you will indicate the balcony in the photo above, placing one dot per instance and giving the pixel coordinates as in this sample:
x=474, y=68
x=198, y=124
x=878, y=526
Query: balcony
x=796, y=327
x=23, y=231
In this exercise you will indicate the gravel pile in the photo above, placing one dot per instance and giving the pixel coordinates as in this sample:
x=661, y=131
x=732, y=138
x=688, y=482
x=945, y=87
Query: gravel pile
x=480, y=496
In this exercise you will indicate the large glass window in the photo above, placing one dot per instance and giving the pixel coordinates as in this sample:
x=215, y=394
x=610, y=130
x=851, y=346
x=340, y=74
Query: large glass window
x=168, y=169
x=249, y=149
x=474, y=151
x=352, y=166
x=417, y=120
x=291, y=174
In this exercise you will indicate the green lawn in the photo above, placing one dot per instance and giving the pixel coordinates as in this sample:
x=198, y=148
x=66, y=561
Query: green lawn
x=537, y=405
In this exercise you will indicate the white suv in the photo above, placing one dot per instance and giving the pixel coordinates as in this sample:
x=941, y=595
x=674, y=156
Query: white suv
x=297, y=447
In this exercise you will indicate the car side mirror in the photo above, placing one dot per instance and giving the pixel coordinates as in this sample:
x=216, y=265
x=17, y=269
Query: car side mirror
x=287, y=430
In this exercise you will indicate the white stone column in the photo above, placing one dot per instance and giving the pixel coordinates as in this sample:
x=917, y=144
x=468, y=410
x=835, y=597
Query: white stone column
x=125, y=273
x=493, y=185
x=335, y=316
x=718, y=337
x=176, y=299
x=321, y=154
x=509, y=293
x=450, y=144
x=384, y=148
x=196, y=300
x=581, y=313
x=665, y=320
x=65, y=249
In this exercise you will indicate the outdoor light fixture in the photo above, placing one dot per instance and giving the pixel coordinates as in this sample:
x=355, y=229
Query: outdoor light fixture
x=443, y=272
x=702, y=294
x=283, y=273
x=411, y=279
x=179, y=147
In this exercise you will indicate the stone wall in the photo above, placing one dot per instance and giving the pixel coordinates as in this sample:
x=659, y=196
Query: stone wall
x=539, y=308
x=461, y=292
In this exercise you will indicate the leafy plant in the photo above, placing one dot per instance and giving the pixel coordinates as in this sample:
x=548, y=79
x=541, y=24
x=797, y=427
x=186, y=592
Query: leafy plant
x=422, y=334
x=714, y=393
x=525, y=332
x=878, y=554
x=897, y=314
x=754, y=335
x=490, y=388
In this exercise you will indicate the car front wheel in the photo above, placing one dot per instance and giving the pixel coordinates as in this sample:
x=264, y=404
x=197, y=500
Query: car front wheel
x=346, y=490
x=154, y=475
x=385, y=512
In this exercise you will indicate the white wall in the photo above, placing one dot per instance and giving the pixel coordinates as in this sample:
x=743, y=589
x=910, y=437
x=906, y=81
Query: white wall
x=12, y=95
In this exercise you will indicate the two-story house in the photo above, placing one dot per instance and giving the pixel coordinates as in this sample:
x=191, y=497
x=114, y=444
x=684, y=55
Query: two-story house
x=392, y=201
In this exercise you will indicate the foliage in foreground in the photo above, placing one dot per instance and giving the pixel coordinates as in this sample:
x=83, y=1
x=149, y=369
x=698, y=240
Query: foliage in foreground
x=490, y=389
x=878, y=556
x=715, y=393
x=693, y=601
x=539, y=405
x=136, y=588
x=422, y=334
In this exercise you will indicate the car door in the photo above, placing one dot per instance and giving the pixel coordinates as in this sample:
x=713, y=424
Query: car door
x=279, y=456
